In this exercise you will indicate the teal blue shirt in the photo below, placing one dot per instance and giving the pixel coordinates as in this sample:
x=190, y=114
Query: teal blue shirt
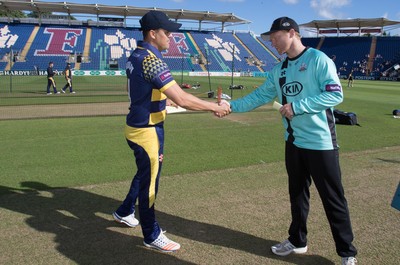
x=313, y=88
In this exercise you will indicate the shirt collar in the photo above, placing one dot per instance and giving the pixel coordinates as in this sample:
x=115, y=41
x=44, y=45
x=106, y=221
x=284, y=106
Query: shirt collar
x=150, y=47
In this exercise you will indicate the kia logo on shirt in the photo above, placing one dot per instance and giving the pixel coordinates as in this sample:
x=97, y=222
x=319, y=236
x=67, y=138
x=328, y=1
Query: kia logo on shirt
x=292, y=89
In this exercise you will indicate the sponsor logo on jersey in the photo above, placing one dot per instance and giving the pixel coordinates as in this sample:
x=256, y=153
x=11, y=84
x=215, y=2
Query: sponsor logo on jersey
x=333, y=88
x=165, y=75
x=292, y=89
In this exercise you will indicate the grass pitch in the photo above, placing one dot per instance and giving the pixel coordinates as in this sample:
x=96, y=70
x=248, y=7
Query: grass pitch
x=223, y=193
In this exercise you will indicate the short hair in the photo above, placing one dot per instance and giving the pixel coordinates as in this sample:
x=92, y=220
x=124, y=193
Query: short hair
x=145, y=33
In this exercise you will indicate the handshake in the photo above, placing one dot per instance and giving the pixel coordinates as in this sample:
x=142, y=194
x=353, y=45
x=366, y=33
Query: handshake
x=223, y=109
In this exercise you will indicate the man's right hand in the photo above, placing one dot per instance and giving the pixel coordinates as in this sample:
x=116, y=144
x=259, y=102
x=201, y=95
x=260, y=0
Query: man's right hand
x=223, y=109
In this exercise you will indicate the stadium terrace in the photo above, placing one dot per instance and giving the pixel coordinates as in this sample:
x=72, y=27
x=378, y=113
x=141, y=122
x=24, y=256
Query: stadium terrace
x=28, y=44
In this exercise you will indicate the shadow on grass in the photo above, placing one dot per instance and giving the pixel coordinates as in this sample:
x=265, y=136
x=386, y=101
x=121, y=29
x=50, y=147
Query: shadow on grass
x=226, y=237
x=393, y=161
x=85, y=237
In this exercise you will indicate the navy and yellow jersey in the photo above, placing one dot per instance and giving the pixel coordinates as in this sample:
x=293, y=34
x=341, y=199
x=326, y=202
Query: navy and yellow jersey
x=148, y=77
x=67, y=73
x=50, y=72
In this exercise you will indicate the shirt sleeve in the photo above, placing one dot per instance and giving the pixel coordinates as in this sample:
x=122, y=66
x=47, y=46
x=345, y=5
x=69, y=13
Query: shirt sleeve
x=330, y=87
x=157, y=72
x=260, y=96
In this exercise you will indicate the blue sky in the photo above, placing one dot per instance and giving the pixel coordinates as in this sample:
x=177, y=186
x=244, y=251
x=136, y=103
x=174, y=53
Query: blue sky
x=262, y=12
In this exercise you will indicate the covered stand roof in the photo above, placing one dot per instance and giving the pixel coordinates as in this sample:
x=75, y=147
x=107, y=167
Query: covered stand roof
x=122, y=11
x=363, y=25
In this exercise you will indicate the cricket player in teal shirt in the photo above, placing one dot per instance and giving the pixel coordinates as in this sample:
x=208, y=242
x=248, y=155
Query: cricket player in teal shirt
x=307, y=86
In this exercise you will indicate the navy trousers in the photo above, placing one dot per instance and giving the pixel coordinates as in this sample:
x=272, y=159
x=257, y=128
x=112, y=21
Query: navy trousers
x=147, y=145
x=51, y=82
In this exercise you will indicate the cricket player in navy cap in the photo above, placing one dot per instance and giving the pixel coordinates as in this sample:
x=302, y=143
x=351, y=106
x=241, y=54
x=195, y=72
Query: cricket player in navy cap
x=150, y=84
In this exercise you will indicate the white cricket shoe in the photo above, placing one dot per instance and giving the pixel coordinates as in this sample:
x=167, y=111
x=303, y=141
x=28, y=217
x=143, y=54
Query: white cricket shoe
x=163, y=244
x=129, y=220
x=349, y=261
x=285, y=248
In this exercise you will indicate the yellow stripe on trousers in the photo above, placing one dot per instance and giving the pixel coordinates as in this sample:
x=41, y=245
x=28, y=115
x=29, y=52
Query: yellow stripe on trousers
x=147, y=138
x=52, y=81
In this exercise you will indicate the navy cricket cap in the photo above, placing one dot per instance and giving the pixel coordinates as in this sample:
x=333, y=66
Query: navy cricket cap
x=282, y=23
x=158, y=20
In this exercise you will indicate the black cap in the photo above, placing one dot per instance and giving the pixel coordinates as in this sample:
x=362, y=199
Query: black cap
x=158, y=20
x=282, y=23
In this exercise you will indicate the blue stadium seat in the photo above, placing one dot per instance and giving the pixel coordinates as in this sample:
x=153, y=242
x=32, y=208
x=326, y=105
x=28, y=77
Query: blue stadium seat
x=58, y=42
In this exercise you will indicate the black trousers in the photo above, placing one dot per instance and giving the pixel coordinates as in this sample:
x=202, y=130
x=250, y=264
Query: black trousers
x=323, y=168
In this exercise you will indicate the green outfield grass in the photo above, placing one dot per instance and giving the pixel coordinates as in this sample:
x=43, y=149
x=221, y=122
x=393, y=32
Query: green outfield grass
x=95, y=145
x=31, y=90
x=223, y=192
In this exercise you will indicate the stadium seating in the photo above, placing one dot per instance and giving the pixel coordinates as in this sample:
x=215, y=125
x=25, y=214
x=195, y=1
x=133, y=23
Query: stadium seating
x=109, y=47
x=182, y=53
x=351, y=53
x=265, y=54
x=113, y=44
x=388, y=53
x=13, y=38
x=38, y=46
x=208, y=44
